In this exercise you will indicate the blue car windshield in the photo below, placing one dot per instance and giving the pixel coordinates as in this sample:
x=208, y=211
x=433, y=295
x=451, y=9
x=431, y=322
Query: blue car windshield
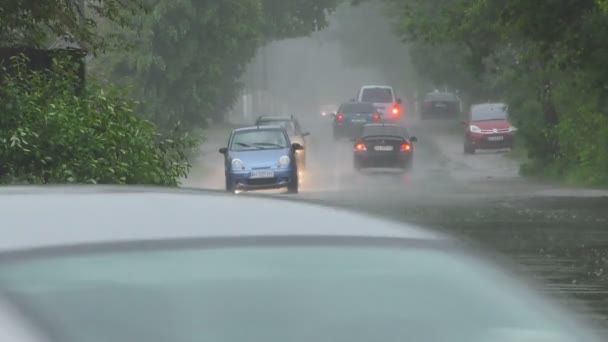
x=264, y=139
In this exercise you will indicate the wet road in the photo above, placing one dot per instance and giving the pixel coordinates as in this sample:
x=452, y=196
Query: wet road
x=557, y=233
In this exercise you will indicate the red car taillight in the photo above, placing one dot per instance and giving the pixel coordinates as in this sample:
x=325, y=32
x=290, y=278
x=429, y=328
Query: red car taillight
x=360, y=147
x=396, y=111
x=340, y=118
x=406, y=147
x=377, y=117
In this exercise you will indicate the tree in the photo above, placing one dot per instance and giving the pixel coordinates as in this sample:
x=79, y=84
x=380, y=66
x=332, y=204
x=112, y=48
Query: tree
x=537, y=54
x=29, y=22
x=189, y=55
x=50, y=135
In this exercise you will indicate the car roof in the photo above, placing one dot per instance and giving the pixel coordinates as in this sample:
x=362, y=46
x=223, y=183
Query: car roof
x=385, y=129
x=39, y=217
x=277, y=118
x=255, y=128
x=383, y=125
x=376, y=86
x=441, y=95
x=358, y=103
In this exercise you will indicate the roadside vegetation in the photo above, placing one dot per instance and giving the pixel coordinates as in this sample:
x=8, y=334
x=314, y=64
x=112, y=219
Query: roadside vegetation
x=545, y=58
x=162, y=64
x=160, y=69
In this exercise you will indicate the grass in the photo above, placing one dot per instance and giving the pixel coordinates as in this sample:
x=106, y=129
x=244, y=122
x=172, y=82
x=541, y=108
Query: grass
x=519, y=152
x=574, y=175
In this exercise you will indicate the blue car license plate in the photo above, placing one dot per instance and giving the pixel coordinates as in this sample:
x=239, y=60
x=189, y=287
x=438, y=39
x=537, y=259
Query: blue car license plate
x=262, y=174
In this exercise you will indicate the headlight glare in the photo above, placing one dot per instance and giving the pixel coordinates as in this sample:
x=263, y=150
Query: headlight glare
x=238, y=164
x=474, y=129
x=284, y=161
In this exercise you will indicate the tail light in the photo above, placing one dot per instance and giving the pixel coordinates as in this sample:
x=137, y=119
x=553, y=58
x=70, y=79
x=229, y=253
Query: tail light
x=340, y=118
x=377, y=117
x=406, y=147
x=360, y=147
x=395, y=111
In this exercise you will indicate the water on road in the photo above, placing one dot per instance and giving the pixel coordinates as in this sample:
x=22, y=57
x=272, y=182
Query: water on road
x=557, y=233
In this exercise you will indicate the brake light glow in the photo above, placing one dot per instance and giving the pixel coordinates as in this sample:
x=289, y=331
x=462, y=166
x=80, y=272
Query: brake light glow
x=406, y=147
x=376, y=117
x=340, y=117
x=395, y=111
x=360, y=147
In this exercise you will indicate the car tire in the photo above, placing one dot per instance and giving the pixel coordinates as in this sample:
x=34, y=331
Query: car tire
x=293, y=187
x=357, y=165
x=229, y=185
x=468, y=149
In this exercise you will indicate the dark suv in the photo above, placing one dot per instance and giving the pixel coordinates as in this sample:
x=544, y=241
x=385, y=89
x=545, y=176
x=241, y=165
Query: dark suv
x=441, y=105
x=351, y=118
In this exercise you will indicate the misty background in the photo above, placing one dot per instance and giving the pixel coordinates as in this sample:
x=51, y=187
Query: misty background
x=297, y=76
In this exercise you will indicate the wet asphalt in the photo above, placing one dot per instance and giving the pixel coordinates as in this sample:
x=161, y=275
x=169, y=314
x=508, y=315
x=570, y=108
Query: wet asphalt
x=557, y=234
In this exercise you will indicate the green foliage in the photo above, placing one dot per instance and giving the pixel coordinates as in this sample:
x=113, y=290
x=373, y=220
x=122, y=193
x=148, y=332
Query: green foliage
x=188, y=56
x=294, y=18
x=51, y=134
x=546, y=58
x=29, y=23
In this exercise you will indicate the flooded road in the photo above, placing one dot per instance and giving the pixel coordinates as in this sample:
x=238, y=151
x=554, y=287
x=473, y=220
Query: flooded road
x=557, y=233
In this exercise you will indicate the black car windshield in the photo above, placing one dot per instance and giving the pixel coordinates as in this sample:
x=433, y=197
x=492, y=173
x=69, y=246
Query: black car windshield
x=375, y=130
x=489, y=113
x=258, y=139
x=275, y=294
x=377, y=95
x=357, y=108
x=285, y=123
x=445, y=97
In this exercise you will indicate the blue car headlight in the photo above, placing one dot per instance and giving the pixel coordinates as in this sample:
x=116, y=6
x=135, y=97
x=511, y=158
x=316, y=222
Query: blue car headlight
x=238, y=164
x=284, y=161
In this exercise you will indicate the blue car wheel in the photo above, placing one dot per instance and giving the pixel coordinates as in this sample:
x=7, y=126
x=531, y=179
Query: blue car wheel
x=229, y=184
x=293, y=187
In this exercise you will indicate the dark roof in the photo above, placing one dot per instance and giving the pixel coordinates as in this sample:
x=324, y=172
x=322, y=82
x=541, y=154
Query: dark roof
x=254, y=128
x=385, y=129
x=58, y=216
x=441, y=96
x=352, y=107
x=276, y=118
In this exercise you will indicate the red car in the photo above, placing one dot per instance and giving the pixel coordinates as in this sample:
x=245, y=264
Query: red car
x=488, y=127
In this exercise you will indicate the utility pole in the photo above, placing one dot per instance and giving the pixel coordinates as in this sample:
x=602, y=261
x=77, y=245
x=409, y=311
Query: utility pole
x=82, y=14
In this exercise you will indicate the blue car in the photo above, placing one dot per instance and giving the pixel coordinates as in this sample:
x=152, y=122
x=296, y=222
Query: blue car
x=351, y=118
x=260, y=157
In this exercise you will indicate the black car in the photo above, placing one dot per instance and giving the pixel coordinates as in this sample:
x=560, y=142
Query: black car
x=384, y=145
x=438, y=104
x=294, y=131
x=351, y=117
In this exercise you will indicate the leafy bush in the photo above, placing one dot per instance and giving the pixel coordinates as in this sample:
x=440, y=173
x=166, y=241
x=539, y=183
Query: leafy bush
x=51, y=132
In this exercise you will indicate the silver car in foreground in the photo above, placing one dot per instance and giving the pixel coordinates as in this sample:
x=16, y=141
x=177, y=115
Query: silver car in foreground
x=157, y=265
